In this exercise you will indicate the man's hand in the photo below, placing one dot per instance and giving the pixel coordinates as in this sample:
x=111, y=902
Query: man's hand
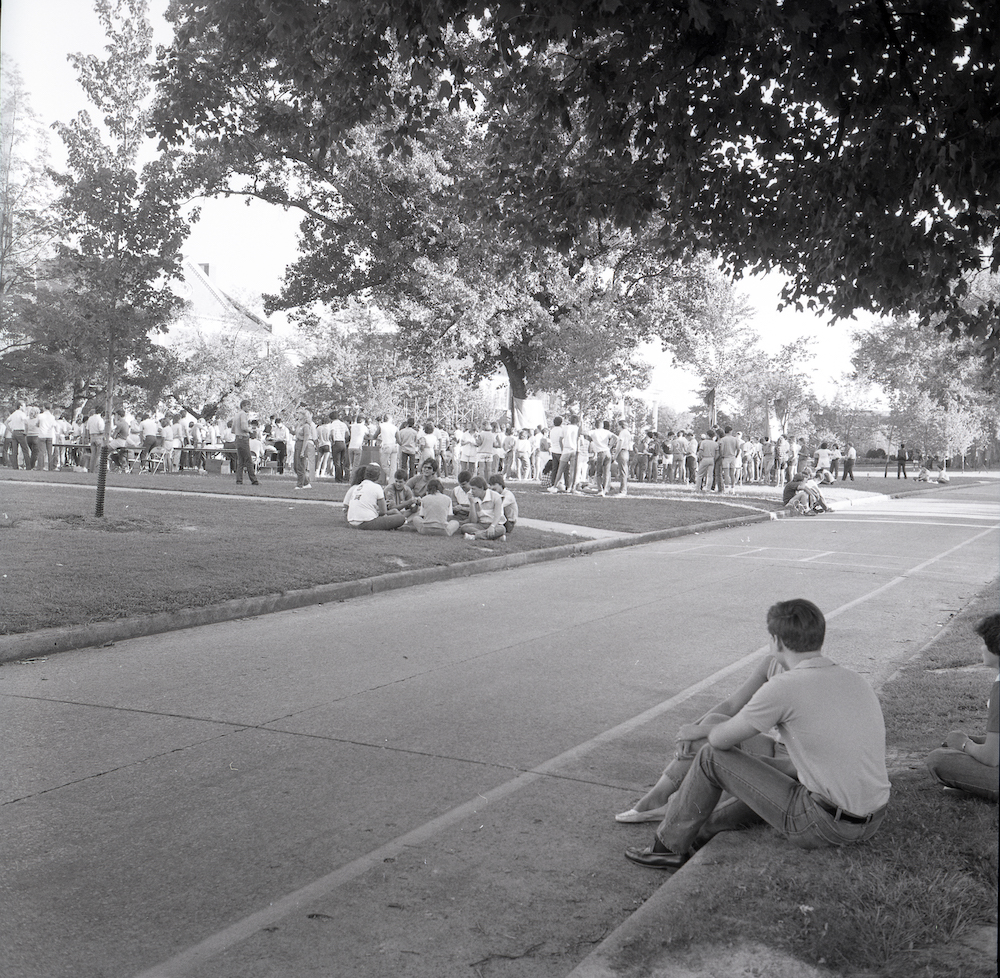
x=956, y=739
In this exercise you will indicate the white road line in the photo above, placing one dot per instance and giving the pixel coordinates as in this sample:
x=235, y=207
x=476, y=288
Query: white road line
x=197, y=955
x=822, y=553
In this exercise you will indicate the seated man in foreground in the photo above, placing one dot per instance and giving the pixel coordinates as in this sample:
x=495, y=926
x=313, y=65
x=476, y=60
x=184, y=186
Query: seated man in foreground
x=831, y=722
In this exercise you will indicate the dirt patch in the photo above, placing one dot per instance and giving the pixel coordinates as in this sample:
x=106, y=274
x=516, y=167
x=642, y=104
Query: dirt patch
x=87, y=524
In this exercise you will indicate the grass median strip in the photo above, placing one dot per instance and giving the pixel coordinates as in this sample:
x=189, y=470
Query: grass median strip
x=160, y=552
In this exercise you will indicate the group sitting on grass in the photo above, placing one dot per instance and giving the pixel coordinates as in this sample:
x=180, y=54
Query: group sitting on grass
x=481, y=510
x=822, y=781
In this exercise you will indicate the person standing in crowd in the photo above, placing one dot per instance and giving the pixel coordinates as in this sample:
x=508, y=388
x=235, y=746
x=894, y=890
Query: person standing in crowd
x=241, y=429
x=355, y=447
x=621, y=451
x=708, y=451
x=901, y=461
x=95, y=436
x=849, y=458
x=305, y=449
x=555, y=445
x=566, y=472
x=729, y=449
x=323, y=448
x=46, y=435
x=339, y=436
x=31, y=436
x=17, y=422
x=600, y=438
x=407, y=440
x=388, y=447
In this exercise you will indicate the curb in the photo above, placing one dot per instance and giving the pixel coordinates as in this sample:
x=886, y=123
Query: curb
x=648, y=942
x=49, y=641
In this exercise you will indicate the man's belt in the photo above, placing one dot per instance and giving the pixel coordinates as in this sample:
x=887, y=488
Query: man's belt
x=840, y=815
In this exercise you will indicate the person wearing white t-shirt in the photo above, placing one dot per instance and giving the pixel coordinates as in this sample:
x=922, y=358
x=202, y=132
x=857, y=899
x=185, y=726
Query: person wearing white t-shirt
x=621, y=451
x=388, y=447
x=364, y=503
x=600, y=438
x=359, y=431
x=566, y=472
x=95, y=435
x=486, y=519
x=17, y=422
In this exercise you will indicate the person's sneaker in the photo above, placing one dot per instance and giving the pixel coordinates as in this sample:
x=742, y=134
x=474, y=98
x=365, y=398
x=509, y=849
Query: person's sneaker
x=552, y=489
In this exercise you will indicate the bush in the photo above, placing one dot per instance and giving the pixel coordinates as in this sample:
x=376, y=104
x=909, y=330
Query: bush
x=875, y=453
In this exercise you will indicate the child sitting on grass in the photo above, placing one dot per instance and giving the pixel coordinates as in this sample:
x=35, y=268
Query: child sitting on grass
x=486, y=519
x=972, y=764
x=435, y=516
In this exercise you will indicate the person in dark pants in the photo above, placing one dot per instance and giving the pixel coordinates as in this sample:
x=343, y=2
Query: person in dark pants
x=849, y=458
x=244, y=458
x=901, y=461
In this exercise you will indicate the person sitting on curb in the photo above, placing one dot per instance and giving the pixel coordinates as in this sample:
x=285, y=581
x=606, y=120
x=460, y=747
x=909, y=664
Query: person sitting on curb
x=486, y=520
x=691, y=737
x=972, y=764
x=365, y=502
x=831, y=722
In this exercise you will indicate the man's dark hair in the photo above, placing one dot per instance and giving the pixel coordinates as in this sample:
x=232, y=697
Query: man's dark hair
x=989, y=631
x=798, y=623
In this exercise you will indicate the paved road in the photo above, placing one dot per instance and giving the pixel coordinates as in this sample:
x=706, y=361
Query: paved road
x=421, y=782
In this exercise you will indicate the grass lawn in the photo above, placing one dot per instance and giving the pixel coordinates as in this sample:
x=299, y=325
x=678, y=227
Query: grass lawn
x=889, y=907
x=154, y=551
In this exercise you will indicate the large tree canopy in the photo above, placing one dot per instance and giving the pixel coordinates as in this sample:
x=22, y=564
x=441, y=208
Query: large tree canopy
x=853, y=144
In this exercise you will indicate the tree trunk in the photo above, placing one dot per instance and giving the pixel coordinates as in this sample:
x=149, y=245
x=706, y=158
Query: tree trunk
x=515, y=374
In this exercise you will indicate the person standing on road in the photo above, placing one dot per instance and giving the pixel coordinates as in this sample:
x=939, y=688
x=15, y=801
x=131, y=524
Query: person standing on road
x=244, y=459
x=830, y=720
x=972, y=764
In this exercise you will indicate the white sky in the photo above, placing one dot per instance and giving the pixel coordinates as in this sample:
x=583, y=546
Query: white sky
x=247, y=247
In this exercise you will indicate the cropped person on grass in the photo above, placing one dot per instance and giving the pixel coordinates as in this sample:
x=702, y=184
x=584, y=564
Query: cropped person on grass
x=435, y=517
x=486, y=518
x=691, y=737
x=364, y=503
x=831, y=722
x=968, y=764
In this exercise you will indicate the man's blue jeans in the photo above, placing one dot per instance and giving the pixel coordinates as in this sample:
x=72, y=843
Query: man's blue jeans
x=765, y=791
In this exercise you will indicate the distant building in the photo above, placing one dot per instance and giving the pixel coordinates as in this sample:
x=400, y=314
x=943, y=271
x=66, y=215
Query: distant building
x=211, y=310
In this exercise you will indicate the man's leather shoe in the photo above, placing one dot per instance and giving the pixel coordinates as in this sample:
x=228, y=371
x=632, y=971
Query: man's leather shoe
x=656, y=856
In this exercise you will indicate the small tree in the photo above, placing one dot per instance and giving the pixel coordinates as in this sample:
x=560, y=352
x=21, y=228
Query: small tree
x=122, y=228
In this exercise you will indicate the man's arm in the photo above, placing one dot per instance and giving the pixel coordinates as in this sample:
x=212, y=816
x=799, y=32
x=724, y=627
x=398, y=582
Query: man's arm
x=731, y=732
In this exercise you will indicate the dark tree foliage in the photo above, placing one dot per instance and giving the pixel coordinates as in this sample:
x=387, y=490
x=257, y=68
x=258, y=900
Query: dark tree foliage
x=853, y=144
